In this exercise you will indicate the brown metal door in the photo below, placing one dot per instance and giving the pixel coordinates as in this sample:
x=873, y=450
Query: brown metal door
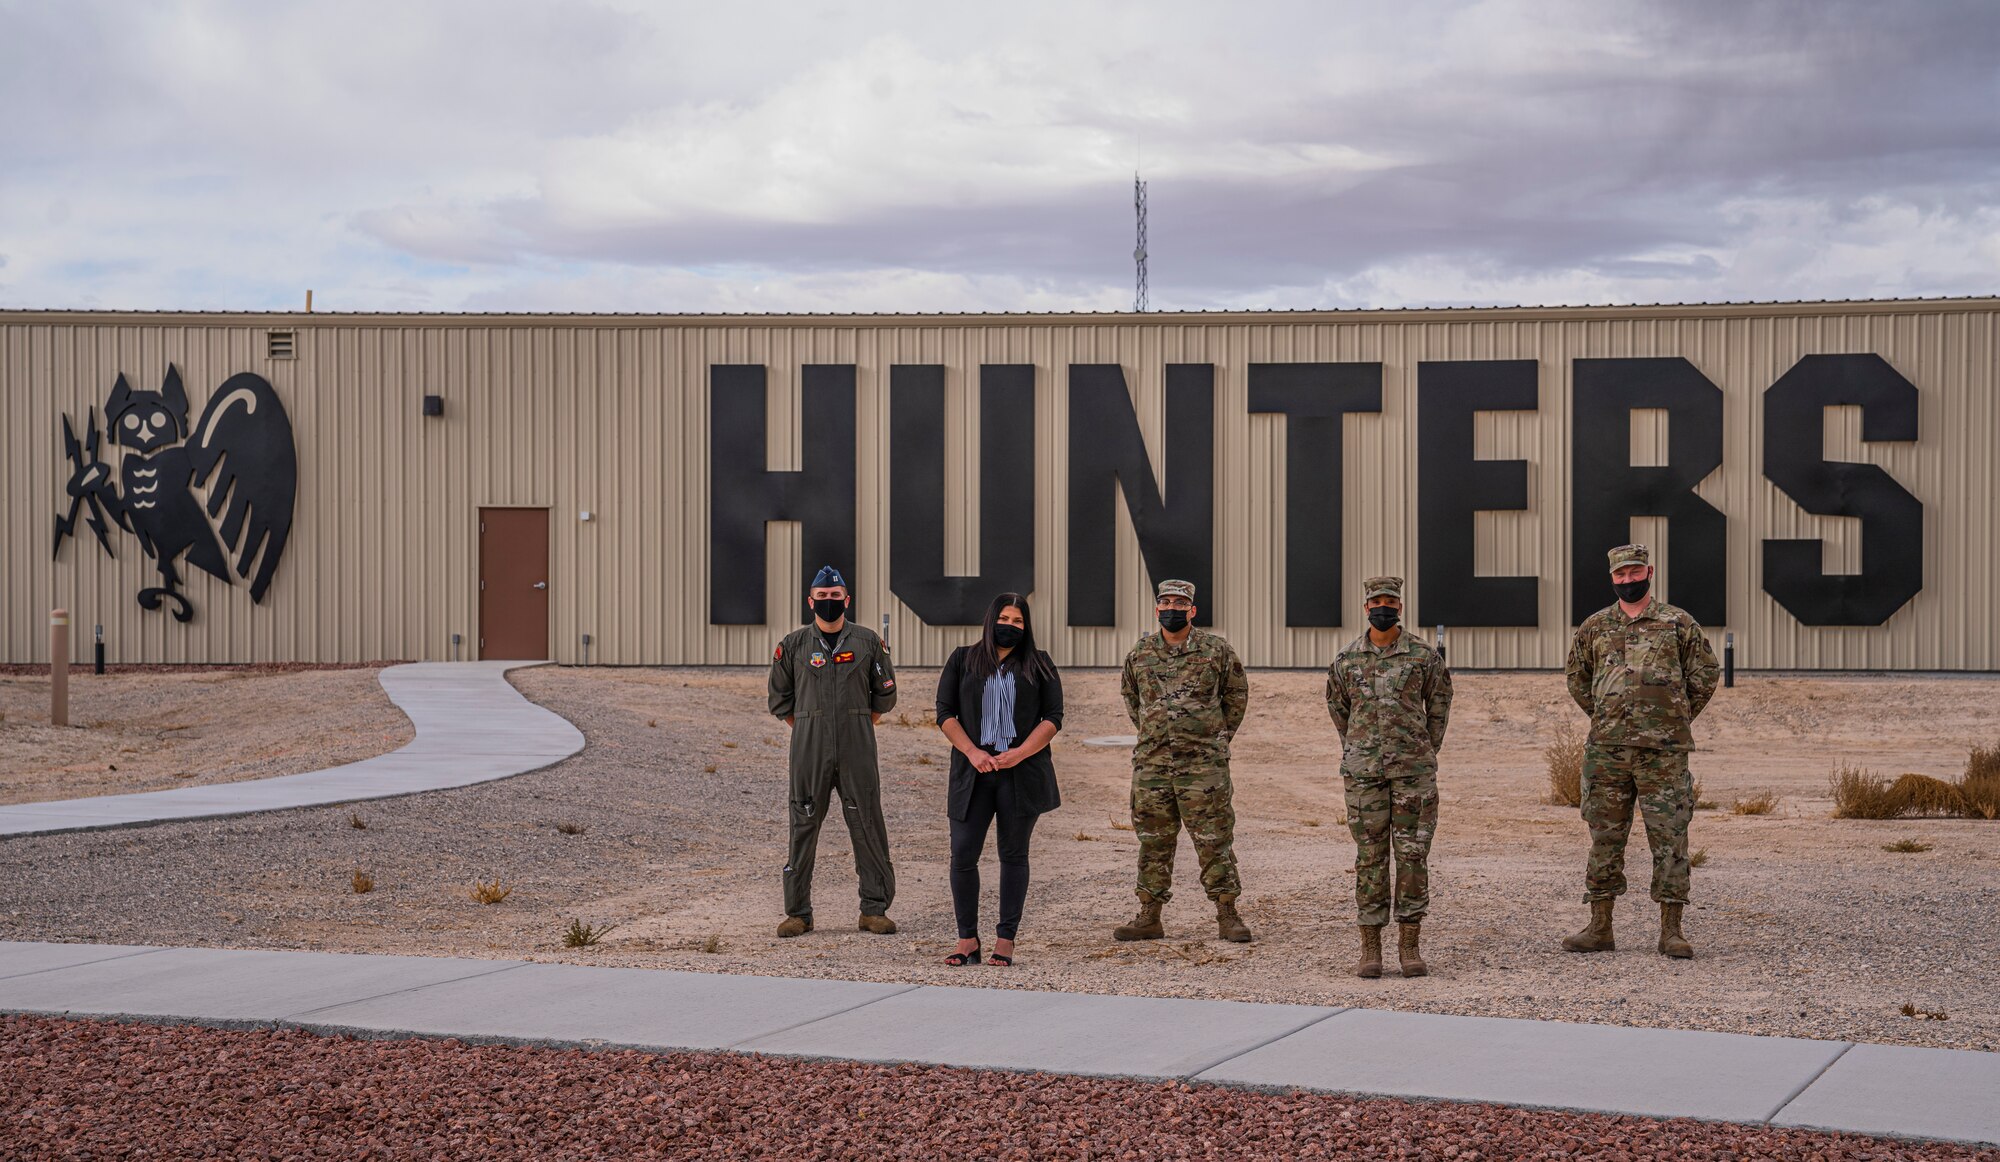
x=513, y=583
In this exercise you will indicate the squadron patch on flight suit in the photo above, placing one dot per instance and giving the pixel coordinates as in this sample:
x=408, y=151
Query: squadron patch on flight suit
x=818, y=659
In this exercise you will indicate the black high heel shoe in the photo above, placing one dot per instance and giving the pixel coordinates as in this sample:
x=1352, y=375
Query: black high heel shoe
x=961, y=959
x=1001, y=959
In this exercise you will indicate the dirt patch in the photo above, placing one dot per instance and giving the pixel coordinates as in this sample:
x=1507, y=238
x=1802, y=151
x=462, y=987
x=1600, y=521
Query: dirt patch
x=1803, y=924
x=148, y=729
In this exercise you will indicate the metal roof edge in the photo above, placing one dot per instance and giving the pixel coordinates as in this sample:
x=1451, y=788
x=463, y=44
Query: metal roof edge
x=1745, y=309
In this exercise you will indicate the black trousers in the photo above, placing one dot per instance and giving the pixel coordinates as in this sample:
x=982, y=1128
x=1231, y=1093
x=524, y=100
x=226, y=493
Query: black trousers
x=992, y=797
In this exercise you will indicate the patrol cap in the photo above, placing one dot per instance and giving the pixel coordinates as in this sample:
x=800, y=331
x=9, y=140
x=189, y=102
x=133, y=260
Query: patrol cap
x=1175, y=589
x=828, y=577
x=1625, y=555
x=1382, y=587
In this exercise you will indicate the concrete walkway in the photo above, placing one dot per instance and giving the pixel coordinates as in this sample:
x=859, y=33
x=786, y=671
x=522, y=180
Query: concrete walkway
x=472, y=727
x=1834, y=1085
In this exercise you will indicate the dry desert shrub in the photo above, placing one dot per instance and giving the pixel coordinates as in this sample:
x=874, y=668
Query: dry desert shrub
x=568, y=828
x=1698, y=858
x=1085, y=837
x=1762, y=803
x=485, y=893
x=1310, y=822
x=1922, y=796
x=1906, y=846
x=1565, y=757
x=713, y=944
x=1117, y=826
x=1860, y=795
x=582, y=935
x=363, y=882
x=1980, y=787
x=355, y=821
x=1701, y=801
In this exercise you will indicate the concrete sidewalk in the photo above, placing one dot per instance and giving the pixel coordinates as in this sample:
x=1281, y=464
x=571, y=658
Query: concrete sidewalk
x=1834, y=1085
x=472, y=727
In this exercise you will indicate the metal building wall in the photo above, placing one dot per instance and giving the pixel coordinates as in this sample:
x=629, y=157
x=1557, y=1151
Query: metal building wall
x=609, y=414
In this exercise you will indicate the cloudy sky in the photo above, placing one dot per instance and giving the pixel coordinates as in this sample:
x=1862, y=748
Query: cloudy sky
x=891, y=156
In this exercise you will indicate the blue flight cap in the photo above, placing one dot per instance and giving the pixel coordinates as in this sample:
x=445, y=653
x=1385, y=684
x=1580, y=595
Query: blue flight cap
x=828, y=577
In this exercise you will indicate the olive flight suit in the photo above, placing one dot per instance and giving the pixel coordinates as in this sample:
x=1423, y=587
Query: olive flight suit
x=830, y=692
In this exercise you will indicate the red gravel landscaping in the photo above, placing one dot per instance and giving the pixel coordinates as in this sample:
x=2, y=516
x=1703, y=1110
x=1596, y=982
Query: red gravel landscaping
x=97, y=1089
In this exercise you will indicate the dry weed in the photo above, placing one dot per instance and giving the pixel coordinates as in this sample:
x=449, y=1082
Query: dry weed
x=713, y=944
x=1980, y=786
x=925, y=760
x=1910, y=1010
x=653, y=722
x=709, y=769
x=1565, y=758
x=1310, y=822
x=1701, y=801
x=729, y=745
x=1906, y=846
x=363, y=882
x=1762, y=803
x=355, y=821
x=568, y=828
x=1923, y=796
x=1085, y=837
x=1699, y=858
x=1117, y=826
x=485, y=893
x=582, y=935
x=1860, y=795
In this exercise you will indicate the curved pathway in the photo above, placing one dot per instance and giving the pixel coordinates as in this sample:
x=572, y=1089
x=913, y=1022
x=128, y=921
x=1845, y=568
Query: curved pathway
x=472, y=727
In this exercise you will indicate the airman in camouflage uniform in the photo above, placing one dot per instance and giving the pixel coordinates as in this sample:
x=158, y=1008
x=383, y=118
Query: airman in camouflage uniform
x=1642, y=678
x=1389, y=695
x=1186, y=693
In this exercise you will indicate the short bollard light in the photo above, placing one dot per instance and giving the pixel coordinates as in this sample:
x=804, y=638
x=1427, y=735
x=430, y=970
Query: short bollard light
x=59, y=667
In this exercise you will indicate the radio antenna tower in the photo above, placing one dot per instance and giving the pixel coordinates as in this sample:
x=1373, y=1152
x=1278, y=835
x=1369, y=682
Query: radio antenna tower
x=1139, y=251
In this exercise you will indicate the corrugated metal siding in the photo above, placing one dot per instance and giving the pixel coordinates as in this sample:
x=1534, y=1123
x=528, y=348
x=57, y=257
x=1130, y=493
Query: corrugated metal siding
x=610, y=414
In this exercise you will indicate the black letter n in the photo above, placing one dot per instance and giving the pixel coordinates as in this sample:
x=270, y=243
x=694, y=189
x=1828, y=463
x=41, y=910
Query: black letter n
x=743, y=496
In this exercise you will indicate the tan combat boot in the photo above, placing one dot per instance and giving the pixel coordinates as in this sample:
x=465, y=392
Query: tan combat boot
x=1672, y=943
x=1370, y=967
x=795, y=926
x=1596, y=935
x=1145, y=925
x=879, y=925
x=1228, y=924
x=1406, y=951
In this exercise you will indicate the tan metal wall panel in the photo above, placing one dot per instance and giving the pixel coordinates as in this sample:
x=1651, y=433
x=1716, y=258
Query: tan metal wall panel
x=610, y=414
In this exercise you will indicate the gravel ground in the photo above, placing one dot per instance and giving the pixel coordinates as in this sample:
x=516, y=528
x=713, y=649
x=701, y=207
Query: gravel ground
x=147, y=729
x=1804, y=925
x=91, y=1089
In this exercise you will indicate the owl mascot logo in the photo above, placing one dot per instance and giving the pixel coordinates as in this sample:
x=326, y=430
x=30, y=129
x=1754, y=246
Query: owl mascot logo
x=239, y=454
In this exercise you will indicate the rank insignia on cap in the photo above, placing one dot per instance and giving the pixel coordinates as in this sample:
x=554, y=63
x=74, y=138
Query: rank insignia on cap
x=818, y=659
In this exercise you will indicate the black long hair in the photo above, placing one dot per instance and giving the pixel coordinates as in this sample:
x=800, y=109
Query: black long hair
x=983, y=660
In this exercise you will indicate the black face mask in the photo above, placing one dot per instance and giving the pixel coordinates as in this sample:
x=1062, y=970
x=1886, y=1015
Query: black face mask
x=1173, y=620
x=1008, y=636
x=1631, y=592
x=829, y=610
x=1384, y=618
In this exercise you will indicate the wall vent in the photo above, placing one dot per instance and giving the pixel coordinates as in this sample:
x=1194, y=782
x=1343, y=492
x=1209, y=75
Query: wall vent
x=280, y=344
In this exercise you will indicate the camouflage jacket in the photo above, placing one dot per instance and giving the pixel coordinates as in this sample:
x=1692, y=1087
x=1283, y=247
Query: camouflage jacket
x=1390, y=705
x=1642, y=680
x=1185, y=700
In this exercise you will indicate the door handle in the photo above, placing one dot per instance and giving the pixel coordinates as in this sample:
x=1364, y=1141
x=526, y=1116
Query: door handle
x=541, y=584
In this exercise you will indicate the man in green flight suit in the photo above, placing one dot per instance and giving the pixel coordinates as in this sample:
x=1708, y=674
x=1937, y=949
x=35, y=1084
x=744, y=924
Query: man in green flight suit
x=831, y=682
x=1186, y=693
x=1389, y=695
x=1642, y=670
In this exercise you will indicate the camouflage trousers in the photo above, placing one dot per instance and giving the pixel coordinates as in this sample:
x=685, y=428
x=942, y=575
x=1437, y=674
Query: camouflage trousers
x=1203, y=801
x=1391, y=814
x=1615, y=778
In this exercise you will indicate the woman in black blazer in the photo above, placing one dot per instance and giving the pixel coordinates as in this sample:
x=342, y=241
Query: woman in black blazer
x=1000, y=702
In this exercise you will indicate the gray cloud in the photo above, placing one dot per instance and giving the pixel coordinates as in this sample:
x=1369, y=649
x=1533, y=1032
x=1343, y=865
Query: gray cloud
x=893, y=157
